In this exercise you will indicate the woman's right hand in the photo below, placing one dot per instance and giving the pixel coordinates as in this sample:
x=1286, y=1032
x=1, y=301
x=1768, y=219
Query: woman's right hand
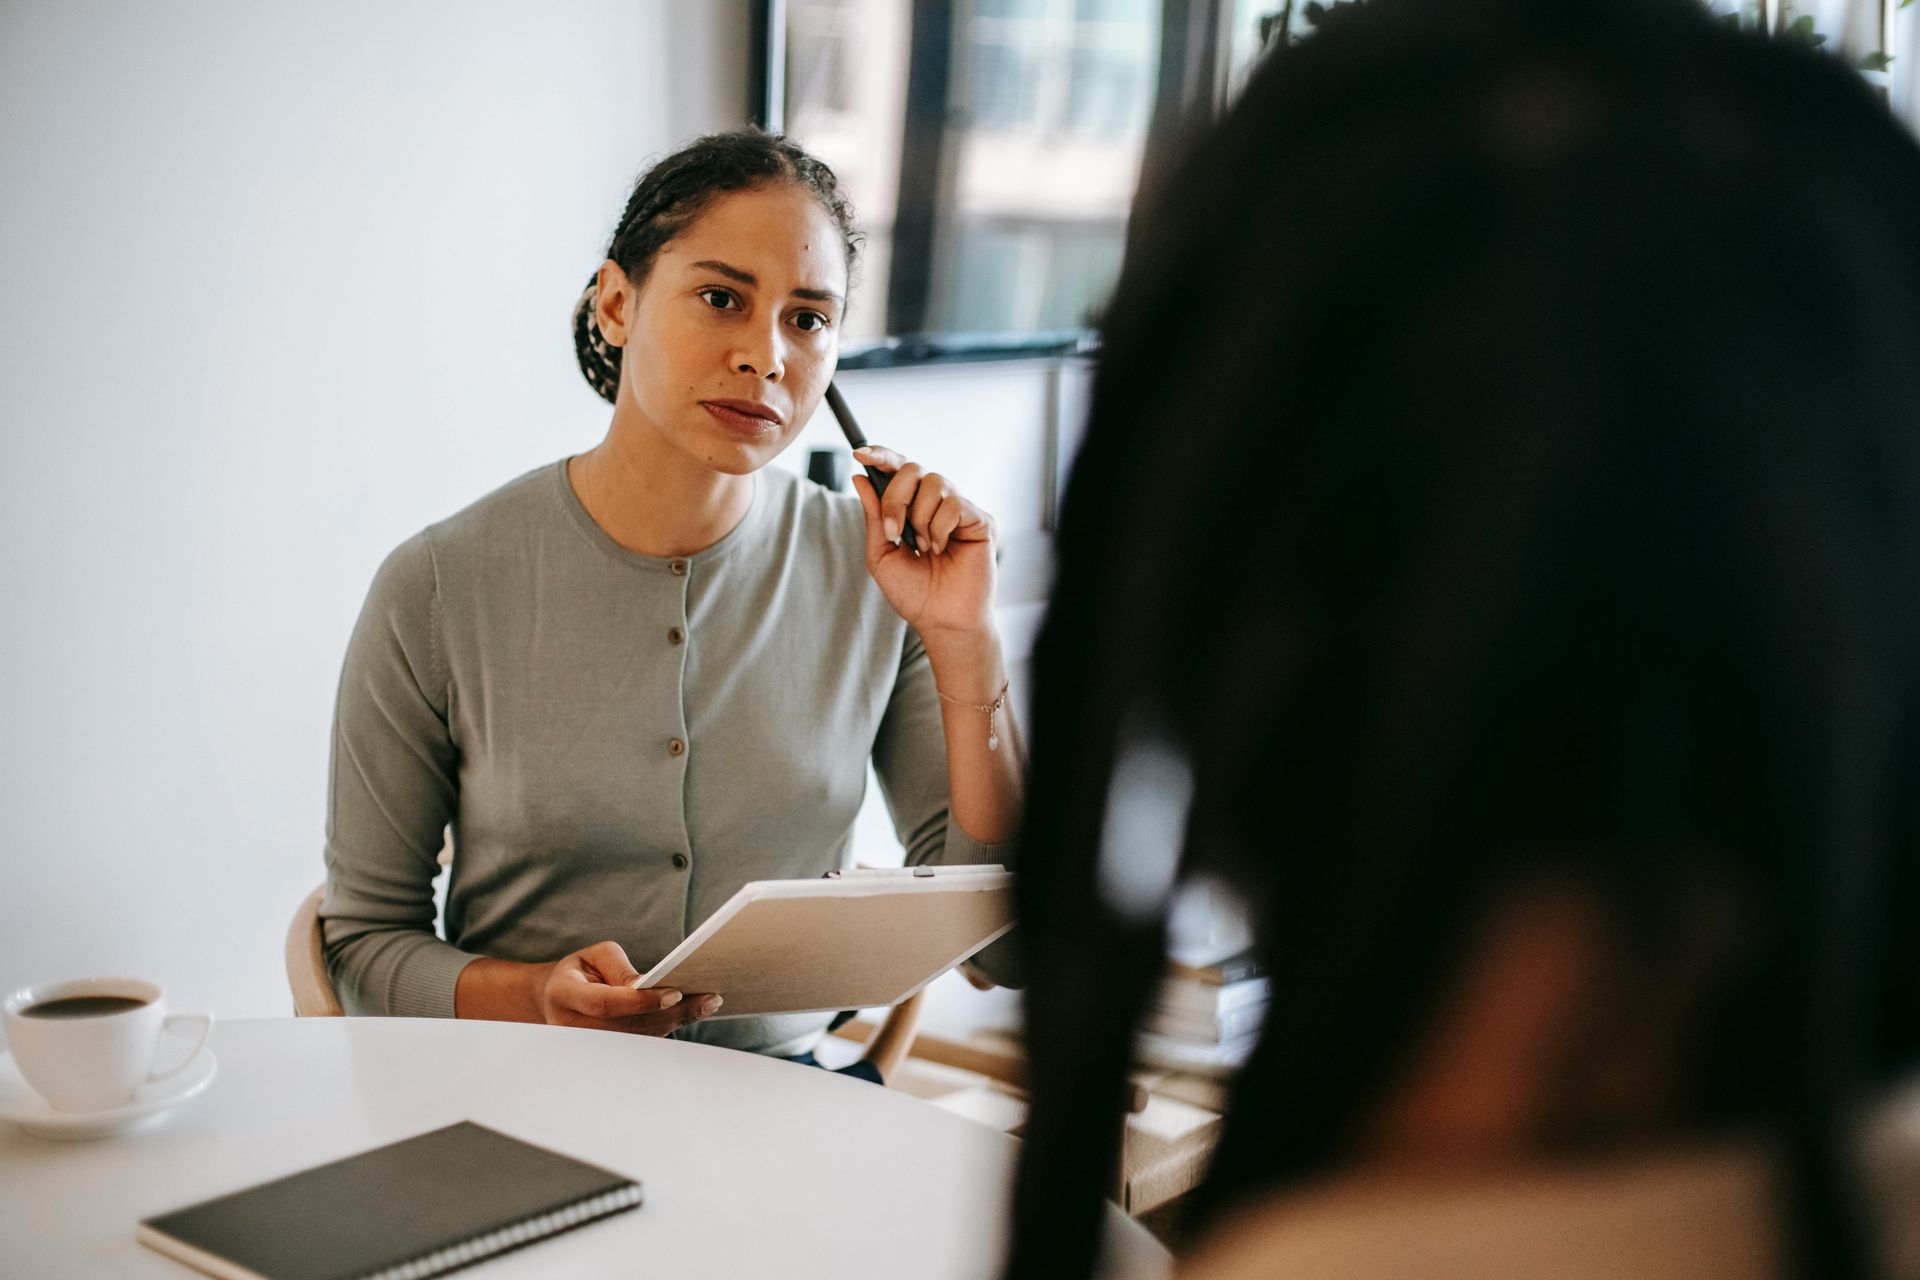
x=593, y=987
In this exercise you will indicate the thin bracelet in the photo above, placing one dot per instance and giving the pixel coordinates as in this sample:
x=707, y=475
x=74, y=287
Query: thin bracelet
x=991, y=708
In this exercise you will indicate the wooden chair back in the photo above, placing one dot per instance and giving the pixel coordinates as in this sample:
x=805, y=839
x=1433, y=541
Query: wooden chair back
x=313, y=994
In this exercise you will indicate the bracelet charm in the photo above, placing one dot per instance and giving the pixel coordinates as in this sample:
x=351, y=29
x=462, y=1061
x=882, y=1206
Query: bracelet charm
x=991, y=708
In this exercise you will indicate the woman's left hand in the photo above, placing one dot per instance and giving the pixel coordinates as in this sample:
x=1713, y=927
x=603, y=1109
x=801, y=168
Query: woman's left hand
x=948, y=585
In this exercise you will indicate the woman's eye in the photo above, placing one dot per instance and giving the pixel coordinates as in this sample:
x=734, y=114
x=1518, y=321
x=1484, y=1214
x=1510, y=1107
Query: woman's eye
x=718, y=299
x=809, y=322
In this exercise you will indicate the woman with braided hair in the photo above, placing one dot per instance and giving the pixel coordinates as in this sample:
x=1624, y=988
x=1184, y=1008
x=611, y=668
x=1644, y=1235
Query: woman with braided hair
x=1560, y=725
x=635, y=679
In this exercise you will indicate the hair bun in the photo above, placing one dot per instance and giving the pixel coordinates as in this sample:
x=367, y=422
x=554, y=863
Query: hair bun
x=599, y=359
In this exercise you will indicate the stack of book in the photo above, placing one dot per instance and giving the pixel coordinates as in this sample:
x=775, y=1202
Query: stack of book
x=1207, y=1014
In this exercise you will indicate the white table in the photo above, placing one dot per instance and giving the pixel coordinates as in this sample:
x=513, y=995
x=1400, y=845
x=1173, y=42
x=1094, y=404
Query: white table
x=755, y=1169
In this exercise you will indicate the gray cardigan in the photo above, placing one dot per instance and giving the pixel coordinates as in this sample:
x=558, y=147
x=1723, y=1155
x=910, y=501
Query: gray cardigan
x=619, y=742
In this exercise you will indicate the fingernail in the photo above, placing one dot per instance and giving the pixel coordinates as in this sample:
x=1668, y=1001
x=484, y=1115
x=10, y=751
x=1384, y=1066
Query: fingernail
x=864, y=449
x=669, y=999
x=710, y=1004
x=892, y=528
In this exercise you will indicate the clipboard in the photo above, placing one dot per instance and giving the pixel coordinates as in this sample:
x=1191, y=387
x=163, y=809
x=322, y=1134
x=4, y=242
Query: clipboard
x=849, y=940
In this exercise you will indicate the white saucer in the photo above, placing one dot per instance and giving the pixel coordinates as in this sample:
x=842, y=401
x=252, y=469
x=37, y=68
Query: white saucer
x=21, y=1105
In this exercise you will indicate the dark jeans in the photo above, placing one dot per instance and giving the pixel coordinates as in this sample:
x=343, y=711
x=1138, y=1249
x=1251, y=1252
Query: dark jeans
x=861, y=1070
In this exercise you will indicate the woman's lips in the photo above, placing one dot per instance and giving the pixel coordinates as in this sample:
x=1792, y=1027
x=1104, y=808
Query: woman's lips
x=737, y=421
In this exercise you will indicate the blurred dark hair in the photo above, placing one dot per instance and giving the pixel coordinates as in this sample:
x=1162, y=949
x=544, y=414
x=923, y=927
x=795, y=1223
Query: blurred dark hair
x=675, y=191
x=1502, y=463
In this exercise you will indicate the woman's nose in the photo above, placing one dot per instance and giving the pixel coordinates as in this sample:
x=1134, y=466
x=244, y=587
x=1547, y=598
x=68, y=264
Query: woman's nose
x=760, y=356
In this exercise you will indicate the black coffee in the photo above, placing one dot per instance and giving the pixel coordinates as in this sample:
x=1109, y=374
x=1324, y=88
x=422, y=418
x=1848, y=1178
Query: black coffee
x=81, y=1007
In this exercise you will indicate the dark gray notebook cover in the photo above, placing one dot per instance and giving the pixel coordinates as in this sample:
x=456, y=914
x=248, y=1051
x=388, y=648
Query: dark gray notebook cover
x=395, y=1204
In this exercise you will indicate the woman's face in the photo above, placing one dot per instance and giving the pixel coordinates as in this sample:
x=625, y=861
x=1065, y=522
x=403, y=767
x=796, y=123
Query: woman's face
x=733, y=336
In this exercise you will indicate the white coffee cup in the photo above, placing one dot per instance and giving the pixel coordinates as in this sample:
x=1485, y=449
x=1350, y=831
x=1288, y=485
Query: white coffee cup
x=88, y=1043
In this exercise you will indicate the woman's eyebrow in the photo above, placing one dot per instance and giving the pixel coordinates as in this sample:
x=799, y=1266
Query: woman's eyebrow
x=817, y=295
x=752, y=281
x=731, y=273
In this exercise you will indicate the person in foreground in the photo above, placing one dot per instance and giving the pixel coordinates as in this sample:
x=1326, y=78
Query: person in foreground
x=1495, y=556
x=635, y=679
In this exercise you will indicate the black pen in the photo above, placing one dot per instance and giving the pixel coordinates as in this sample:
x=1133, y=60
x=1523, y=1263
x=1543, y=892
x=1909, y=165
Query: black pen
x=851, y=429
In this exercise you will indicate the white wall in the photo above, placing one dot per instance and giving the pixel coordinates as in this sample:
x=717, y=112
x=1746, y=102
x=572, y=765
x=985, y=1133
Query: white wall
x=279, y=285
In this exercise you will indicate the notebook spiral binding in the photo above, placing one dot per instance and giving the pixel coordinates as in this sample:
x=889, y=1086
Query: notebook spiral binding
x=468, y=1252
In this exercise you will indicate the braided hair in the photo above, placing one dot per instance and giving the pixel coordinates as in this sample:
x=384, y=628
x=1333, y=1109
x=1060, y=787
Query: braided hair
x=1577, y=370
x=675, y=191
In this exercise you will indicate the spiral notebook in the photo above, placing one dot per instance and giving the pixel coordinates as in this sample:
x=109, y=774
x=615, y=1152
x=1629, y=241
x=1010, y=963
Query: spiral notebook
x=423, y=1206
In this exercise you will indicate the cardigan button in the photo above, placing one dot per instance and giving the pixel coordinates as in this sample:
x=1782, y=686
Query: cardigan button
x=679, y=568
x=675, y=747
x=675, y=635
x=679, y=862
